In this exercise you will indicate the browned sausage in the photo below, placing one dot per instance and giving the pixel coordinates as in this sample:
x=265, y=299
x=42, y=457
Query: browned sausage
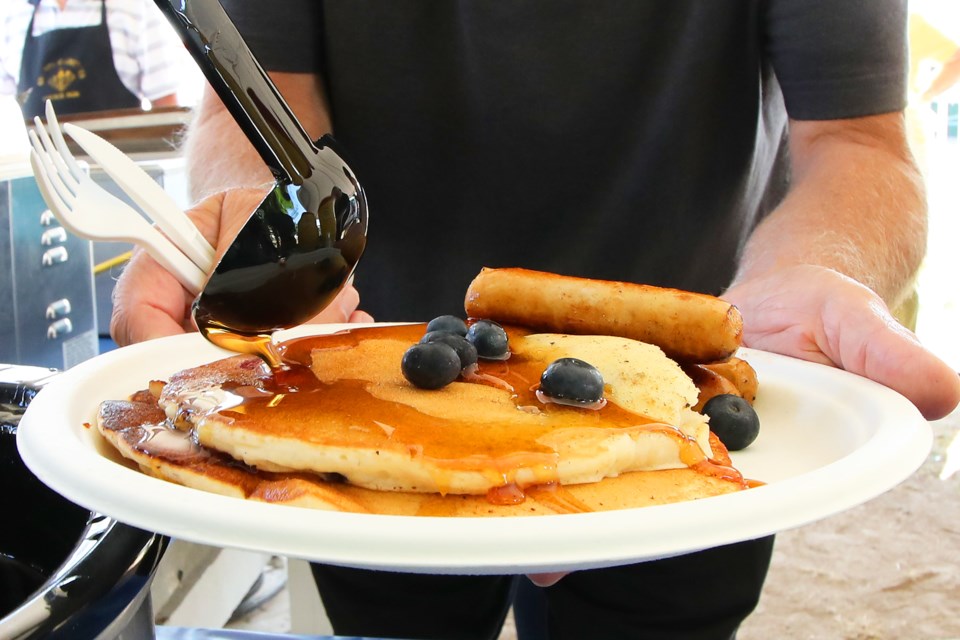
x=689, y=327
x=710, y=383
x=741, y=374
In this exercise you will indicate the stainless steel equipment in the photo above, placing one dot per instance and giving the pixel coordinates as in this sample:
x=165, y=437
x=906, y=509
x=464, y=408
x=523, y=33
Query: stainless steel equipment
x=65, y=572
x=47, y=311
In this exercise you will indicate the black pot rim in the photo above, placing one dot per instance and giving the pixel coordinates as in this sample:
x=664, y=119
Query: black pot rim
x=110, y=567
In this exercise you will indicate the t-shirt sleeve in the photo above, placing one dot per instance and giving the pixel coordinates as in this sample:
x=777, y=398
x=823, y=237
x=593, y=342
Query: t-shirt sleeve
x=284, y=35
x=838, y=59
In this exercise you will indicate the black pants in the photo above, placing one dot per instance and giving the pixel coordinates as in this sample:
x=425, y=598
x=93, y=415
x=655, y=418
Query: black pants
x=699, y=596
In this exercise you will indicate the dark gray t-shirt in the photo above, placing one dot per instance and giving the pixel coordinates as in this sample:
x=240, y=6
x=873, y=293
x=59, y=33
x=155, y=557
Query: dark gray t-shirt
x=624, y=139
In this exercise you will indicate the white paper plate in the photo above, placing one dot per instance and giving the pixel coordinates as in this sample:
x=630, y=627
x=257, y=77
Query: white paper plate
x=829, y=441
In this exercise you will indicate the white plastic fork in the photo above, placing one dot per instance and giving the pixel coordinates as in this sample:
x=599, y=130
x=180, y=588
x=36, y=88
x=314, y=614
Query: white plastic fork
x=90, y=211
x=140, y=187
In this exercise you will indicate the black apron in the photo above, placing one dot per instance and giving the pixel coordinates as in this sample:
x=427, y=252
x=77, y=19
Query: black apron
x=73, y=68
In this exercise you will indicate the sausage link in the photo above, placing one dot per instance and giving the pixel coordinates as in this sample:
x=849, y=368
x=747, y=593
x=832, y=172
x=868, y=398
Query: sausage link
x=689, y=327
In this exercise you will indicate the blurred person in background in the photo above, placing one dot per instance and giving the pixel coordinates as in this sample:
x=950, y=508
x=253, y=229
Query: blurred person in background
x=87, y=55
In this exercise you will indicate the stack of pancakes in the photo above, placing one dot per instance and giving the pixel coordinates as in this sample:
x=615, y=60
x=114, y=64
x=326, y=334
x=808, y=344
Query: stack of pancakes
x=340, y=428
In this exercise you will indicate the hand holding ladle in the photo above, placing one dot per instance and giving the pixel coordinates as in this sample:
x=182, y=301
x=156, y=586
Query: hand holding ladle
x=301, y=244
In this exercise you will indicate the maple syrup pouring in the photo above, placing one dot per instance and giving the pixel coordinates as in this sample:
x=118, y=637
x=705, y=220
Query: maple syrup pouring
x=302, y=243
x=257, y=344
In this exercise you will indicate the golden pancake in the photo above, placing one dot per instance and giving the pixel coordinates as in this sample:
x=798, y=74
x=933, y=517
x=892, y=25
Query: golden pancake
x=352, y=413
x=139, y=430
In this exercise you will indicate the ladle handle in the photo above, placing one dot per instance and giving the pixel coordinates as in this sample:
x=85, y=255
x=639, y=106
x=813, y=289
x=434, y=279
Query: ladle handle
x=243, y=86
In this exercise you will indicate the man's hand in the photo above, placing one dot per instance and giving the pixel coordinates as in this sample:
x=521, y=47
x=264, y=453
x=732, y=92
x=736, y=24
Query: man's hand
x=817, y=314
x=149, y=302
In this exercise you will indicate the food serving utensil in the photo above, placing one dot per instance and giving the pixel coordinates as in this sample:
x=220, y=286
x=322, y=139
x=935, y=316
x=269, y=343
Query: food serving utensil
x=145, y=192
x=88, y=210
x=301, y=244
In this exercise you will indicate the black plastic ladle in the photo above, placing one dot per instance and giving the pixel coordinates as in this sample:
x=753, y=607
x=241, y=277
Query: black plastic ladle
x=302, y=243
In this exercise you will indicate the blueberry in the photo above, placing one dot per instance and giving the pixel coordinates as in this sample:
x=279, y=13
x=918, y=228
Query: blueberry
x=465, y=350
x=489, y=338
x=430, y=366
x=572, y=379
x=733, y=420
x=452, y=324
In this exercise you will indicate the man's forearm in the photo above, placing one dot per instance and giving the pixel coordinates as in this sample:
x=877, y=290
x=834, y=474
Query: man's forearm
x=218, y=154
x=856, y=205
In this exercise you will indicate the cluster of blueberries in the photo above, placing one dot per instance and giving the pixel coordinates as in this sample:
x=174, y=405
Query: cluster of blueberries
x=449, y=347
